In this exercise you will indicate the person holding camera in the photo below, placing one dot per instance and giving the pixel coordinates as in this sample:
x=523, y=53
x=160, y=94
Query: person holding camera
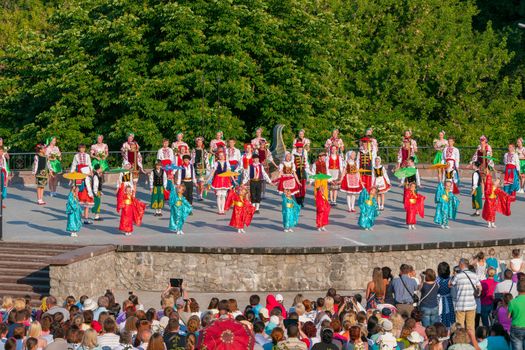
x=468, y=288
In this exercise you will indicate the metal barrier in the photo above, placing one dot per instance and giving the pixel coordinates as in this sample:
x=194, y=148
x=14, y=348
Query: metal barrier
x=388, y=154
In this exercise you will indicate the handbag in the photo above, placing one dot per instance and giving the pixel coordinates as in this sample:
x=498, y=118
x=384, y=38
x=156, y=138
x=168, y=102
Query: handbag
x=414, y=296
x=477, y=292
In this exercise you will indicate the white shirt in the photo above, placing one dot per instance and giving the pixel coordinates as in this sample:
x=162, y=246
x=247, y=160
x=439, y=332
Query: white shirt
x=513, y=159
x=506, y=286
x=190, y=172
x=109, y=339
x=81, y=158
x=166, y=154
x=451, y=157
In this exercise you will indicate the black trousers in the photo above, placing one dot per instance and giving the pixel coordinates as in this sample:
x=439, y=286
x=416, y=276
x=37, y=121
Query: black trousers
x=255, y=191
x=188, y=193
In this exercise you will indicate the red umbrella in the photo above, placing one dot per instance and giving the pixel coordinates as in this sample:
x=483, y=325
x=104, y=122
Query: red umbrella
x=226, y=334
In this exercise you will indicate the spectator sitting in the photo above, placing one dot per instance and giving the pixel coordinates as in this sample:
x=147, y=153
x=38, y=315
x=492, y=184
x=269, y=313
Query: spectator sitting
x=59, y=342
x=293, y=342
x=327, y=335
x=109, y=339
x=52, y=308
x=89, y=341
x=277, y=336
x=103, y=304
x=173, y=338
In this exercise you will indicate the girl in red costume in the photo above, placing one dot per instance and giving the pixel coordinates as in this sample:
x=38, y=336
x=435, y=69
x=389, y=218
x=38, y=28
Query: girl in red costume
x=414, y=205
x=243, y=209
x=496, y=201
x=322, y=208
x=131, y=210
x=220, y=184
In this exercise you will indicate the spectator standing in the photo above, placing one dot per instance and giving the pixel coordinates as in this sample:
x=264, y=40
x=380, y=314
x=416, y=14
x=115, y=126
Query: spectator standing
x=467, y=286
x=109, y=339
x=293, y=342
x=503, y=312
x=428, y=304
x=488, y=286
x=517, y=314
x=53, y=308
x=404, y=288
x=59, y=341
x=506, y=286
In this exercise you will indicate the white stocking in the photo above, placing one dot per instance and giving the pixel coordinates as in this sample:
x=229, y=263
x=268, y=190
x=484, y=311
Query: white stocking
x=349, y=201
x=352, y=201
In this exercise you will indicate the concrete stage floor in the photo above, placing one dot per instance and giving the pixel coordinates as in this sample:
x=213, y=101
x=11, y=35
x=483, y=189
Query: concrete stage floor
x=24, y=221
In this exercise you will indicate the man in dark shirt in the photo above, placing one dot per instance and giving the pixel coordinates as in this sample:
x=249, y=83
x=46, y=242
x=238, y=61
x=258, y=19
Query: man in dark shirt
x=20, y=317
x=173, y=338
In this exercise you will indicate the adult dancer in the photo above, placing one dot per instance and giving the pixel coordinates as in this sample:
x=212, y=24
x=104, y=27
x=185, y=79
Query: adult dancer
x=200, y=159
x=99, y=153
x=288, y=179
x=302, y=140
x=300, y=158
x=439, y=145
x=335, y=169
x=55, y=157
x=255, y=175
x=365, y=161
x=451, y=158
x=381, y=181
x=220, y=184
x=511, y=181
x=521, y=155
x=336, y=141
x=351, y=182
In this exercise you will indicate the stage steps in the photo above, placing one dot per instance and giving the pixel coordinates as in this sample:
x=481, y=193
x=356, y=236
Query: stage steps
x=24, y=268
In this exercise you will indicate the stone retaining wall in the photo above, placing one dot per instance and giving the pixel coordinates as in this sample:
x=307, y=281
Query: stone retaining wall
x=148, y=270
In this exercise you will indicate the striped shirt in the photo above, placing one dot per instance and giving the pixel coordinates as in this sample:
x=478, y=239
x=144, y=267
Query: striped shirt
x=465, y=300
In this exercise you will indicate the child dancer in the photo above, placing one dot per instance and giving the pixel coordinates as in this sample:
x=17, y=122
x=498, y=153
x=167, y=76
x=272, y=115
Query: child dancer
x=335, y=167
x=511, y=181
x=97, y=191
x=446, y=204
x=4, y=173
x=414, y=205
x=243, y=210
x=220, y=184
x=41, y=171
x=85, y=193
x=256, y=176
x=322, y=207
x=199, y=158
x=477, y=190
x=55, y=166
x=290, y=211
x=521, y=155
x=187, y=178
x=73, y=212
x=180, y=208
x=131, y=210
x=369, y=210
x=157, y=184
x=351, y=181
x=496, y=200
x=381, y=182
x=287, y=176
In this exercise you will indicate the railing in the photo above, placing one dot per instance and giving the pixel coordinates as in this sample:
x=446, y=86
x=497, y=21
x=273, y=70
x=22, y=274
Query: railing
x=388, y=154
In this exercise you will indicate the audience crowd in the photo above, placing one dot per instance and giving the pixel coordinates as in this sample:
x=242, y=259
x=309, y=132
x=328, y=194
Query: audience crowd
x=478, y=303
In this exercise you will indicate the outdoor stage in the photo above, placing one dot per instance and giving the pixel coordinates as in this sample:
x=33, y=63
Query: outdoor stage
x=27, y=222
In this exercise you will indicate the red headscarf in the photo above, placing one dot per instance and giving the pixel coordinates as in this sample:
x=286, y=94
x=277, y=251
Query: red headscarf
x=272, y=303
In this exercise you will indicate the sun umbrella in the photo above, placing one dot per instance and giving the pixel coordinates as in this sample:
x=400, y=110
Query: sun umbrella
x=75, y=176
x=226, y=334
x=321, y=177
x=116, y=171
x=228, y=173
x=439, y=166
x=405, y=172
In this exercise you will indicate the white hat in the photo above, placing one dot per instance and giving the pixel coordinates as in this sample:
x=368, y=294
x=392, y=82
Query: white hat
x=387, y=325
x=90, y=304
x=274, y=319
x=264, y=312
x=415, y=337
x=279, y=297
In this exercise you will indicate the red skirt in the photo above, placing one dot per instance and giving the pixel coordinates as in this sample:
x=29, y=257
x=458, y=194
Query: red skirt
x=169, y=174
x=288, y=182
x=381, y=184
x=302, y=189
x=367, y=181
x=84, y=198
x=221, y=183
x=126, y=218
x=351, y=184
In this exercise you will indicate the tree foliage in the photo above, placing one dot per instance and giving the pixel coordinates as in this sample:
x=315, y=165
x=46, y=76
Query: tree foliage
x=158, y=67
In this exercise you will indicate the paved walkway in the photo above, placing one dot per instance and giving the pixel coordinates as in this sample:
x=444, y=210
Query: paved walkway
x=26, y=221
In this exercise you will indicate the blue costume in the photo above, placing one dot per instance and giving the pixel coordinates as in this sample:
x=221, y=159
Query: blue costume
x=180, y=209
x=446, y=205
x=369, y=210
x=291, y=211
x=74, y=213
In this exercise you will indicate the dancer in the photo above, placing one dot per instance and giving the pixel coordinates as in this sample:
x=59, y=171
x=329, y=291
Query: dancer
x=180, y=152
x=413, y=145
x=158, y=182
x=365, y=161
x=300, y=158
x=125, y=179
x=521, y=155
x=414, y=205
x=373, y=142
x=256, y=142
x=41, y=168
x=511, y=181
x=287, y=176
x=243, y=210
x=97, y=191
x=200, y=159
x=413, y=179
x=180, y=208
x=302, y=140
x=167, y=158
x=446, y=204
x=246, y=159
x=477, y=190
x=131, y=155
x=256, y=176
x=217, y=144
x=81, y=160
x=496, y=201
x=322, y=207
x=233, y=155
x=85, y=192
x=265, y=158
x=381, y=181
x=220, y=184
x=4, y=174
x=404, y=154
x=99, y=153
x=290, y=210
x=439, y=145
x=131, y=210
x=320, y=167
x=55, y=166
x=73, y=212
x=187, y=178
x=369, y=209
x=335, y=168
x=336, y=141
x=179, y=143
x=351, y=182
x=451, y=158
x=483, y=155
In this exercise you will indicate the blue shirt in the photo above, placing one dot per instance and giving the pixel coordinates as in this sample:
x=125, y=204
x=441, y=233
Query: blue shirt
x=402, y=295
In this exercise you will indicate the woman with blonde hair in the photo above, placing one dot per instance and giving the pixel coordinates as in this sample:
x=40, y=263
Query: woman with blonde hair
x=90, y=340
x=397, y=324
x=19, y=304
x=156, y=342
x=376, y=289
x=35, y=331
x=7, y=306
x=329, y=305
